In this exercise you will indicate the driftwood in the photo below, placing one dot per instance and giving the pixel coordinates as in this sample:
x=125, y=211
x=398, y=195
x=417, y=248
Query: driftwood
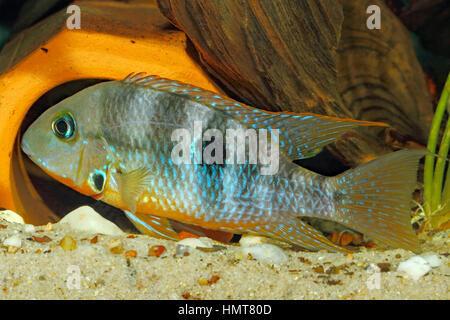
x=314, y=56
x=259, y=63
x=380, y=79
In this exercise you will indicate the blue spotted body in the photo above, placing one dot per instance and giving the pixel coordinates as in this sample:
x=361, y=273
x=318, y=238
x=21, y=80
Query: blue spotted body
x=120, y=151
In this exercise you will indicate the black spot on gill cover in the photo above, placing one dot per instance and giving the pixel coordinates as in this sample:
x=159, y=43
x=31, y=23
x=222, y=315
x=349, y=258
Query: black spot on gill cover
x=99, y=181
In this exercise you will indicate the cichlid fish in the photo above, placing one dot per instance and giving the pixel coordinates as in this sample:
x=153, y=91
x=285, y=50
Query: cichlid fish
x=113, y=141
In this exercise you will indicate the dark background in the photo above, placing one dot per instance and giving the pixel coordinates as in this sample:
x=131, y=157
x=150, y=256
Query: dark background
x=427, y=20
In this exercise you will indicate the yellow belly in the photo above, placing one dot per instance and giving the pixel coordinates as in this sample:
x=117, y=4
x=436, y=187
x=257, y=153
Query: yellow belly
x=161, y=207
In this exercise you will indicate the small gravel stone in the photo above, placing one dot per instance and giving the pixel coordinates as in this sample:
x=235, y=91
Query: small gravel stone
x=432, y=259
x=11, y=216
x=414, y=268
x=13, y=241
x=196, y=242
x=29, y=228
x=264, y=252
x=251, y=240
x=86, y=219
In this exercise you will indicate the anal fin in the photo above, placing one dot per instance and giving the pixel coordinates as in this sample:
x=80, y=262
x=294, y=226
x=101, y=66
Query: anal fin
x=298, y=232
x=152, y=225
x=218, y=235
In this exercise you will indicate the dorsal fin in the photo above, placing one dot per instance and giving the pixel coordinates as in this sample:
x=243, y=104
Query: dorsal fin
x=301, y=135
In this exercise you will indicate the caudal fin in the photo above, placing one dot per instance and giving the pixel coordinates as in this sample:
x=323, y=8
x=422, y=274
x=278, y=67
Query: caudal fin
x=375, y=198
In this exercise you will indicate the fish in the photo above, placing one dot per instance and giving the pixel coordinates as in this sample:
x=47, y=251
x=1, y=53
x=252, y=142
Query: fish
x=113, y=141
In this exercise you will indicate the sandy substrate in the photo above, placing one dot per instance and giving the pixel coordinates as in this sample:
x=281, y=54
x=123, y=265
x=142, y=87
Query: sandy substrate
x=44, y=270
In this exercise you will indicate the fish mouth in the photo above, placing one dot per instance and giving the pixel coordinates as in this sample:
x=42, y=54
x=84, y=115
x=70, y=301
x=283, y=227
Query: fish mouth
x=25, y=147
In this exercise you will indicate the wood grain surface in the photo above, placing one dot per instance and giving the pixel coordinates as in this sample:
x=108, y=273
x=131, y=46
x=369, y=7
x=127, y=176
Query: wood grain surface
x=314, y=56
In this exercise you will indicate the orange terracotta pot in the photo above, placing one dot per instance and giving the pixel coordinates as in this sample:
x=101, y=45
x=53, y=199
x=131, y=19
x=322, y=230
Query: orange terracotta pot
x=115, y=39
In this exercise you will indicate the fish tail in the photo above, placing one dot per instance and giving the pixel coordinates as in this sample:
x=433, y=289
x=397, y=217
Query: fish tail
x=375, y=198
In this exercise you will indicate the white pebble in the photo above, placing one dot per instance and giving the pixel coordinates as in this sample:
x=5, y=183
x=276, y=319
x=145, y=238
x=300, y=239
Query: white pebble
x=432, y=258
x=13, y=241
x=264, y=252
x=86, y=219
x=11, y=216
x=247, y=241
x=29, y=228
x=181, y=250
x=414, y=267
x=196, y=242
x=87, y=250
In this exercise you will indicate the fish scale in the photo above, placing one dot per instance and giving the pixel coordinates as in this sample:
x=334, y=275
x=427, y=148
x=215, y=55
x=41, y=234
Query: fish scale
x=121, y=136
x=233, y=173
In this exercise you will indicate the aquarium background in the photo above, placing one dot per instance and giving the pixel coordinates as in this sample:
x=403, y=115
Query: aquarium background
x=428, y=22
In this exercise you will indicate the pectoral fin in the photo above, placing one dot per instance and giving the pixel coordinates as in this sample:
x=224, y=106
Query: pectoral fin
x=132, y=185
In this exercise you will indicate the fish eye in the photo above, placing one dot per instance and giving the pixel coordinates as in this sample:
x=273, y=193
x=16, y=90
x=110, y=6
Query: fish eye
x=97, y=180
x=63, y=125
